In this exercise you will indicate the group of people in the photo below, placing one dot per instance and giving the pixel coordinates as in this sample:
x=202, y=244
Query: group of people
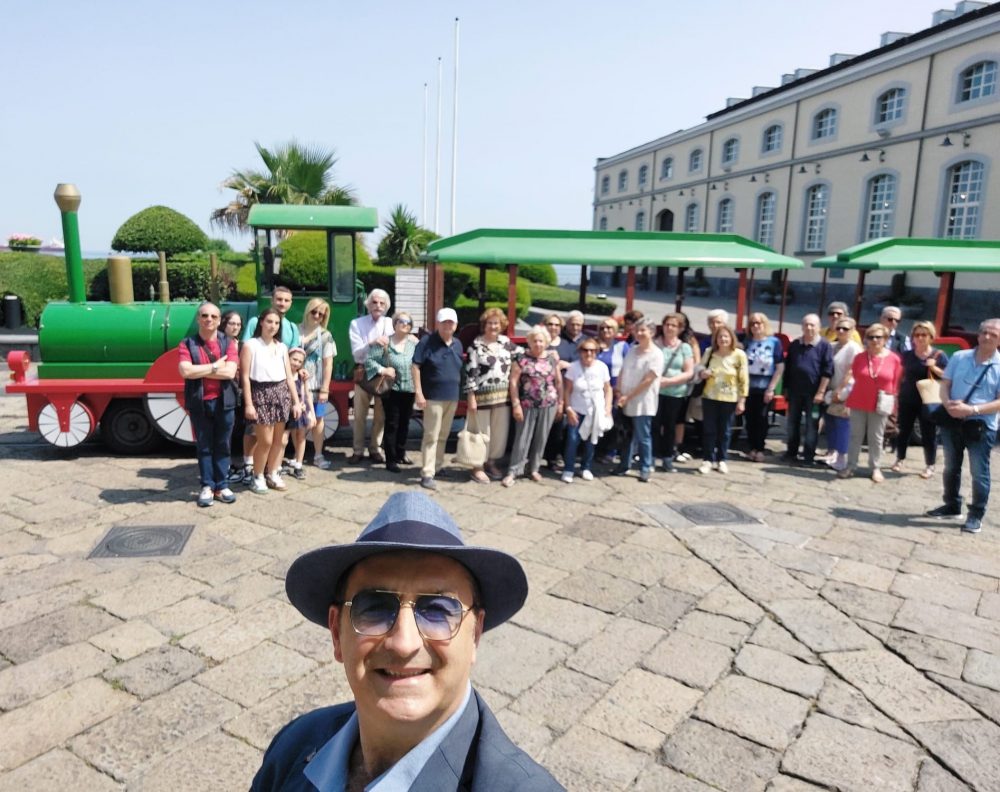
x=627, y=394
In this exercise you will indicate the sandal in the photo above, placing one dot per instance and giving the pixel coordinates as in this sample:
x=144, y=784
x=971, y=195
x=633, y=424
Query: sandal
x=897, y=467
x=480, y=477
x=507, y=481
x=928, y=472
x=877, y=476
x=536, y=476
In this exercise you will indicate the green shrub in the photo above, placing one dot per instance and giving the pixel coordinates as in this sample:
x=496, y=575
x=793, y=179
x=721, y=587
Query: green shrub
x=159, y=228
x=218, y=246
x=246, y=282
x=187, y=280
x=568, y=300
x=536, y=273
x=303, y=261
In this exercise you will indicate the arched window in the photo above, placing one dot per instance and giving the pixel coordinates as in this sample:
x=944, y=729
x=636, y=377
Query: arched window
x=724, y=222
x=964, y=200
x=605, y=185
x=622, y=180
x=602, y=225
x=730, y=151
x=772, y=139
x=817, y=205
x=667, y=168
x=694, y=161
x=881, y=204
x=889, y=106
x=643, y=175
x=979, y=80
x=824, y=124
x=766, y=207
x=691, y=218
x=640, y=221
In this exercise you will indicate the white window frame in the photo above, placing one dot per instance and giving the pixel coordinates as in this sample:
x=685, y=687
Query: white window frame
x=667, y=169
x=820, y=128
x=984, y=85
x=881, y=194
x=725, y=216
x=643, y=176
x=605, y=184
x=817, y=211
x=691, y=218
x=766, y=217
x=602, y=224
x=890, y=106
x=696, y=161
x=640, y=220
x=622, y=180
x=963, y=199
x=730, y=151
x=777, y=143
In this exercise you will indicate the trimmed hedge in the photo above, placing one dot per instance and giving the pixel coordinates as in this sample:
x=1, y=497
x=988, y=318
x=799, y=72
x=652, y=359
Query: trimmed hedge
x=303, y=261
x=568, y=300
x=187, y=281
x=536, y=273
x=159, y=228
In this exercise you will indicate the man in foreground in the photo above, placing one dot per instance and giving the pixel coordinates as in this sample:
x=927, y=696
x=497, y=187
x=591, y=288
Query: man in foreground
x=406, y=604
x=970, y=392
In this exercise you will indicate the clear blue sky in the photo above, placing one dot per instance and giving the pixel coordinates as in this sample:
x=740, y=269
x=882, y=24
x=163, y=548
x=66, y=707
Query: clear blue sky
x=142, y=103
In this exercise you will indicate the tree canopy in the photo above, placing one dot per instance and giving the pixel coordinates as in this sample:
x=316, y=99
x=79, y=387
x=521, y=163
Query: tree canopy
x=405, y=239
x=159, y=228
x=293, y=174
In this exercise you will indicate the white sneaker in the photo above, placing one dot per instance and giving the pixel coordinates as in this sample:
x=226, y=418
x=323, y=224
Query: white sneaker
x=258, y=485
x=715, y=466
x=205, y=497
x=275, y=482
x=723, y=467
x=586, y=475
x=704, y=468
x=322, y=462
x=567, y=478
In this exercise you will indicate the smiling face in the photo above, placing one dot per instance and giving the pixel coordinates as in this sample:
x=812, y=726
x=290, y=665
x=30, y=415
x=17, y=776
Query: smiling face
x=404, y=685
x=296, y=360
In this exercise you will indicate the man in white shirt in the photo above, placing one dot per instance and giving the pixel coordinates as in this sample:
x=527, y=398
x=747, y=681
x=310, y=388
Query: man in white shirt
x=373, y=328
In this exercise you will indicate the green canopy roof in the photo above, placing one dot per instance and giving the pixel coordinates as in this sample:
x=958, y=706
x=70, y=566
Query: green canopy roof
x=935, y=255
x=299, y=217
x=606, y=248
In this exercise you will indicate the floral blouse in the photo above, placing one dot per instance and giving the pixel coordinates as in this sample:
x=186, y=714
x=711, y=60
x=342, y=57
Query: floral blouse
x=537, y=386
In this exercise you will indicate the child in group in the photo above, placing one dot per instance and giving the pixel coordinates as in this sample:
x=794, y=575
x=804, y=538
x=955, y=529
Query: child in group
x=301, y=427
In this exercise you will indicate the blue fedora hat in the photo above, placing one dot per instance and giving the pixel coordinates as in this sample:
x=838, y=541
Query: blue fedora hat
x=408, y=521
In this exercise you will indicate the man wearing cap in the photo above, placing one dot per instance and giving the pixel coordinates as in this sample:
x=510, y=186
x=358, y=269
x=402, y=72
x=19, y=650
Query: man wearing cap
x=406, y=604
x=437, y=377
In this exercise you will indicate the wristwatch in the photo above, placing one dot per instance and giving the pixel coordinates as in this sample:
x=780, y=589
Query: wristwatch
x=215, y=366
x=975, y=409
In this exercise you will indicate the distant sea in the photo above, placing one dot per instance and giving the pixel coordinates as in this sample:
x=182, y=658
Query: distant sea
x=567, y=274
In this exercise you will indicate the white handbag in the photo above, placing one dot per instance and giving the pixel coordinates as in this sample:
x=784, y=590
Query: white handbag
x=471, y=450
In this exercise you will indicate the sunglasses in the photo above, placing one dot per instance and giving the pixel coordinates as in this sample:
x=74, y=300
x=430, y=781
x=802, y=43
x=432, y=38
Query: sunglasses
x=406, y=322
x=875, y=337
x=208, y=316
x=891, y=319
x=756, y=322
x=843, y=329
x=318, y=312
x=438, y=616
x=553, y=324
x=588, y=351
x=835, y=313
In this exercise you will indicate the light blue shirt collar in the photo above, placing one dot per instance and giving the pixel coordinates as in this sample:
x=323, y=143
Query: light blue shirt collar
x=329, y=767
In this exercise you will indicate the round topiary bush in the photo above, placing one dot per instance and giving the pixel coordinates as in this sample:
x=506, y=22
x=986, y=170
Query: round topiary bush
x=159, y=228
x=303, y=261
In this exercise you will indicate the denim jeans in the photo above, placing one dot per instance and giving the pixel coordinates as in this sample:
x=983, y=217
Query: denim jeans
x=801, y=405
x=716, y=428
x=213, y=426
x=955, y=446
x=642, y=439
x=572, y=443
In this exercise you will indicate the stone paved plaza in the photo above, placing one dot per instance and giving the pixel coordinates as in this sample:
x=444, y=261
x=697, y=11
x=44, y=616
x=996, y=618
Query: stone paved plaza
x=834, y=641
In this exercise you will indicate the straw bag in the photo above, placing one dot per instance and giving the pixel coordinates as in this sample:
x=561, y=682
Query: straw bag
x=471, y=449
x=929, y=389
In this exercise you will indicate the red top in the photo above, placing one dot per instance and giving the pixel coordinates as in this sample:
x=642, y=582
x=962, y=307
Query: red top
x=211, y=388
x=872, y=374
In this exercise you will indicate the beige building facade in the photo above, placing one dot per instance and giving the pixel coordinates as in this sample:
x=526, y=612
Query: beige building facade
x=903, y=140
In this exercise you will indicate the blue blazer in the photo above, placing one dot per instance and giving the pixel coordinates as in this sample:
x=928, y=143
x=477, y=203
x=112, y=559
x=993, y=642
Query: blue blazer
x=475, y=757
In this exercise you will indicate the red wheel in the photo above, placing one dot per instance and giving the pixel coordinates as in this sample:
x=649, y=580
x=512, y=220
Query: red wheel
x=81, y=425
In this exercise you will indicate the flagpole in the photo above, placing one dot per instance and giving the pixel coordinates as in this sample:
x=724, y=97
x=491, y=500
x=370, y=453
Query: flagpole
x=454, y=135
x=437, y=159
x=423, y=167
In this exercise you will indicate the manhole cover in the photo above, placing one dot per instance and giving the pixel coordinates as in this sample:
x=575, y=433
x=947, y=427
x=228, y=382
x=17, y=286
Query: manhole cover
x=141, y=541
x=714, y=514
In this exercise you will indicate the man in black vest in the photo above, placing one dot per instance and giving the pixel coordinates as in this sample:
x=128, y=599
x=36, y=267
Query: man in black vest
x=208, y=362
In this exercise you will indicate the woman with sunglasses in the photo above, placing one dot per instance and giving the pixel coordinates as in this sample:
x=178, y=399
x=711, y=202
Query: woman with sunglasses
x=874, y=383
x=320, y=350
x=395, y=362
x=268, y=390
x=765, y=364
x=921, y=361
x=587, y=387
x=612, y=354
x=837, y=419
x=678, y=369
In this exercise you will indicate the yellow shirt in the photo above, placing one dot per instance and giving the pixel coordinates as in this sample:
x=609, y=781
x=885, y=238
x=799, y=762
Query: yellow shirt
x=831, y=335
x=730, y=380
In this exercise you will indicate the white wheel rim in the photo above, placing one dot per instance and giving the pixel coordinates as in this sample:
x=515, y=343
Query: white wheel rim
x=331, y=420
x=170, y=417
x=81, y=425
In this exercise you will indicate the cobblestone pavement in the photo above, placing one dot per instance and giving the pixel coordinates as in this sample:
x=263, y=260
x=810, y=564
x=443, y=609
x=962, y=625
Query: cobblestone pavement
x=835, y=641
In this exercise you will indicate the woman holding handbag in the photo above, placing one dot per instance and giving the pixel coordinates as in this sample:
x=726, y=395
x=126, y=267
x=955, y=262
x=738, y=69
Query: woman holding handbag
x=726, y=386
x=874, y=381
x=921, y=363
x=838, y=416
x=488, y=365
x=393, y=362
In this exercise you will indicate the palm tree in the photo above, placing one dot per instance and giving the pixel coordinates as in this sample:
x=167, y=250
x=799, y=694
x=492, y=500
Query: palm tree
x=295, y=174
x=405, y=239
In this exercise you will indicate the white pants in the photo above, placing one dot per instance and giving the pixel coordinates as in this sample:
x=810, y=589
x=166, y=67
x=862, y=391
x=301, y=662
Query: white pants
x=494, y=422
